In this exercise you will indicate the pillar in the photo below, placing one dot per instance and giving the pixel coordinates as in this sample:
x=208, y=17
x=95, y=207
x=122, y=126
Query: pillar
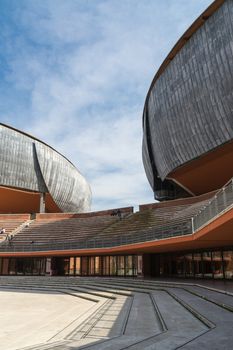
x=42, y=202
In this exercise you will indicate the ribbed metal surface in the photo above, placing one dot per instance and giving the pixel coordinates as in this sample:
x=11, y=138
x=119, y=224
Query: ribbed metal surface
x=67, y=186
x=147, y=160
x=18, y=165
x=28, y=164
x=190, y=107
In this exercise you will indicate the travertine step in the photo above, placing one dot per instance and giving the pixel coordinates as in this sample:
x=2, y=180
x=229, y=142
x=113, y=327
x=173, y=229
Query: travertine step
x=136, y=314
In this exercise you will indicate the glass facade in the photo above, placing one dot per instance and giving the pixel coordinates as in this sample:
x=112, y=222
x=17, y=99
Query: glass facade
x=228, y=264
x=214, y=264
x=207, y=264
x=117, y=265
x=97, y=265
x=84, y=266
x=121, y=265
x=106, y=266
x=197, y=264
x=22, y=266
x=72, y=266
x=130, y=265
x=189, y=266
x=77, y=270
x=217, y=264
x=113, y=266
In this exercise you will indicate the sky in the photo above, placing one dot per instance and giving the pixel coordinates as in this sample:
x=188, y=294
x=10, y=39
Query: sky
x=75, y=74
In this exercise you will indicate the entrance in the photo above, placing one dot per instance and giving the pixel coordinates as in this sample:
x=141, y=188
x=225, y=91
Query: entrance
x=60, y=266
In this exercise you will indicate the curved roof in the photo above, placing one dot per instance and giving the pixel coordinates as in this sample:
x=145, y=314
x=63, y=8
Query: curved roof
x=34, y=138
x=183, y=39
x=30, y=164
x=188, y=108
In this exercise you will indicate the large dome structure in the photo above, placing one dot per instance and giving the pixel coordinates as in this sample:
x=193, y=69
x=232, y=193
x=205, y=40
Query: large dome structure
x=188, y=113
x=34, y=177
x=187, y=151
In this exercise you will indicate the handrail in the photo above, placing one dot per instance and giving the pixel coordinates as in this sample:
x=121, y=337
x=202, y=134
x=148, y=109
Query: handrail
x=222, y=201
x=105, y=242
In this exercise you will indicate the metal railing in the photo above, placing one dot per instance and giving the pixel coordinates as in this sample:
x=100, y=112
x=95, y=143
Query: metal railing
x=222, y=201
x=152, y=234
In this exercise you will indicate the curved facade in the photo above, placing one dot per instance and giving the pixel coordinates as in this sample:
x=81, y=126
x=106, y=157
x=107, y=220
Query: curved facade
x=30, y=167
x=187, y=149
x=188, y=114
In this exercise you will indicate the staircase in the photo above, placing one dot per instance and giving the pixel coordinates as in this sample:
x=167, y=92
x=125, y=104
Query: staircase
x=135, y=314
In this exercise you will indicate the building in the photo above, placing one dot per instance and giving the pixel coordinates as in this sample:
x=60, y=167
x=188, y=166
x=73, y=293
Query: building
x=187, y=121
x=187, y=154
x=36, y=178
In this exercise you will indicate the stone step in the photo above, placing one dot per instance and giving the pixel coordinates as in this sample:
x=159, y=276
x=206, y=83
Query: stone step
x=143, y=318
x=223, y=300
x=136, y=314
x=220, y=337
x=182, y=327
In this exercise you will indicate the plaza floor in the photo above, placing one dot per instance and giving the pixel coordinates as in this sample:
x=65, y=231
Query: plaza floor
x=66, y=313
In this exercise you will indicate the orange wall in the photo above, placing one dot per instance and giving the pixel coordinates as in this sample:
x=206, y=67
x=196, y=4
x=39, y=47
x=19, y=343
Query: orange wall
x=17, y=201
x=207, y=173
x=216, y=234
x=46, y=216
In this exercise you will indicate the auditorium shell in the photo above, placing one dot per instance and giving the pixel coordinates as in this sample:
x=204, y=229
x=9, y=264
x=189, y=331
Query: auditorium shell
x=188, y=113
x=34, y=177
x=187, y=152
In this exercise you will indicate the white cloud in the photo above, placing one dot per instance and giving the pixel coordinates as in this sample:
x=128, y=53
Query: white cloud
x=84, y=69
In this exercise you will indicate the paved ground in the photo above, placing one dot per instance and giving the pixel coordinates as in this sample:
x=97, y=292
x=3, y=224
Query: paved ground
x=39, y=313
x=27, y=318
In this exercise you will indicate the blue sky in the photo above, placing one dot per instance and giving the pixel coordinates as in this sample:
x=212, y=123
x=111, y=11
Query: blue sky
x=75, y=73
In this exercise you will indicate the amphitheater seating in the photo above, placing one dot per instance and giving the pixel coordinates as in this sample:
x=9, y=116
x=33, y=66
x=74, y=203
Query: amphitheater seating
x=11, y=222
x=153, y=221
x=157, y=219
x=66, y=230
